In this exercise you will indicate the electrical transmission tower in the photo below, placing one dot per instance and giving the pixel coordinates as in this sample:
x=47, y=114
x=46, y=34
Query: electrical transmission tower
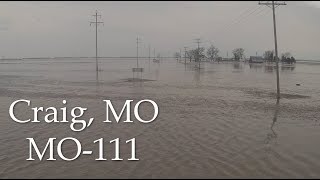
x=273, y=5
x=198, y=54
x=96, y=23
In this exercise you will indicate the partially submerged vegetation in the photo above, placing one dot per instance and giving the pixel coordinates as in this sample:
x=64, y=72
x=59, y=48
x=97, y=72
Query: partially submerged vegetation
x=238, y=54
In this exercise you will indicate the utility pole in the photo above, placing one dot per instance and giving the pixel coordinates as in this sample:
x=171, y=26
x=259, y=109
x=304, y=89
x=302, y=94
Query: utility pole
x=96, y=24
x=149, y=52
x=137, y=69
x=138, y=41
x=185, y=55
x=198, y=54
x=180, y=54
x=272, y=5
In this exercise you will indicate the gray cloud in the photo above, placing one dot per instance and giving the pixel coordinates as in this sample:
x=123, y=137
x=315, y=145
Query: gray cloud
x=313, y=3
x=4, y=28
x=62, y=28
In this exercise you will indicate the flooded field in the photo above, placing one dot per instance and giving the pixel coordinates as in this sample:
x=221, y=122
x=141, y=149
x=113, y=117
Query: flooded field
x=221, y=121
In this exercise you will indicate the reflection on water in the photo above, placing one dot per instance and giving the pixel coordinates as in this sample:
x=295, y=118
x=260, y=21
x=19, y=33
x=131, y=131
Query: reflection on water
x=157, y=73
x=197, y=77
x=237, y=65
x=269, y=68
x=288, y=68
x=273, y=135
x=97, y=78
x=97, y=82
x=256, y=66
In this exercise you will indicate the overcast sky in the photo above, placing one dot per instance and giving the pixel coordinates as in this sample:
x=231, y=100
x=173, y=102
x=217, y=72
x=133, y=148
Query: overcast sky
x=47, y=29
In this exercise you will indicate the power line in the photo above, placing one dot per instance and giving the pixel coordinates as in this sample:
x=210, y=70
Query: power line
x=240, y=16
x=266, y=12
x=245, y=19
x=244, y=16
x=242, y=19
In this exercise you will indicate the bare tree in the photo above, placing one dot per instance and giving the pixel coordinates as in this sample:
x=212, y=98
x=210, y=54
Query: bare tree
x=286, y=55
x=212, y=52
x=176, y=55
x=200, y=53
x=196, y=54
x=191, y=54
x=268, y=55
x=238, y=53
x=287, y=58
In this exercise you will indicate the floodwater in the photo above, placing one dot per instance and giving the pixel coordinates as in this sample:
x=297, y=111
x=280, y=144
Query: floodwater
x=222, y=121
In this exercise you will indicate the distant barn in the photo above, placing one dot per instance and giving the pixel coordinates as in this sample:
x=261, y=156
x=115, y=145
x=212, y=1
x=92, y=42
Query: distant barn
x=256, y=59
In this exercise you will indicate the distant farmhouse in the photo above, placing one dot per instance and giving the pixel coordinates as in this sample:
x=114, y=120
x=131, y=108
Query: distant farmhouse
x=256, y=59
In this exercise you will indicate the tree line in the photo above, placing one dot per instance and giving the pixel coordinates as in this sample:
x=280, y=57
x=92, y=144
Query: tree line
x=286, y=57
x=212, y=54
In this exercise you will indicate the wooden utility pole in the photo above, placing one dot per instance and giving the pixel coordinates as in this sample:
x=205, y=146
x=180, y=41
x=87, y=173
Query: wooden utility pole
x=185, y=55
x=96, y=24
x=149, y=53
x=198, y=54
x=138, y=41
x=272, y=5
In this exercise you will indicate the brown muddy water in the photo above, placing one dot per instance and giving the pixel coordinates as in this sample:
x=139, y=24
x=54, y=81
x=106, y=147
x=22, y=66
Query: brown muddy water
x=221, y=121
